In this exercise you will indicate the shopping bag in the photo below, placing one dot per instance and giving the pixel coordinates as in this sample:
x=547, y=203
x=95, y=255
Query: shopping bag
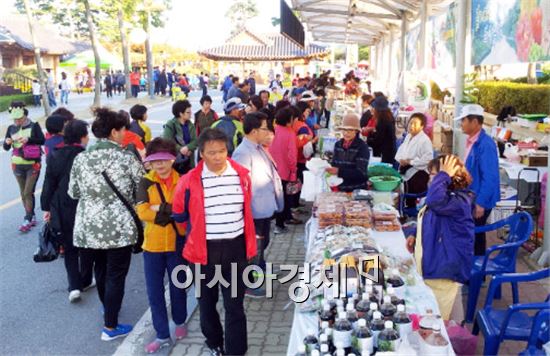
x=308, y=188
x=308, y=150
x=48, y=245
x=313, y=185
x=462, y=340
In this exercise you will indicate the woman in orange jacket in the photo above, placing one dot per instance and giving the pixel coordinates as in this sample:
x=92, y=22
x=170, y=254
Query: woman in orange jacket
x=163, y=242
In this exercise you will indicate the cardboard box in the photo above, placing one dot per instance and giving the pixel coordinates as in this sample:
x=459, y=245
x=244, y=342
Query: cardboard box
x=535, y=159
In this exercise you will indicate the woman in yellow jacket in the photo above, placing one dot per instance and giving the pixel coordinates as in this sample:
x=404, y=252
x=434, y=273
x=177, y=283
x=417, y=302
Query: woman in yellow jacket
x=163, y=243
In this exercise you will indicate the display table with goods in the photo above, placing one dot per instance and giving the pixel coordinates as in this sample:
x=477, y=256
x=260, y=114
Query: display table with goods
x=391, y=310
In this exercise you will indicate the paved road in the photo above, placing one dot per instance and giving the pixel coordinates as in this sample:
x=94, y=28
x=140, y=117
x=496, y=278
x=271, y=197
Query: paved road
x=36, y=317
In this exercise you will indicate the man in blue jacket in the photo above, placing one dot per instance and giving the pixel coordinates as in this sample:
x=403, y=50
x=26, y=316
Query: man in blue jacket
x=481, y=159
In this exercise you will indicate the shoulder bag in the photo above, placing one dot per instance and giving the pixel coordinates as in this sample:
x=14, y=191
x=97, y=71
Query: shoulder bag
x=137, y=247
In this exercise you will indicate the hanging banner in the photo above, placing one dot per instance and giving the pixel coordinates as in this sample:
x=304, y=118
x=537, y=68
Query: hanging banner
x=510, y=31
x=413, y=48
x=441, y=41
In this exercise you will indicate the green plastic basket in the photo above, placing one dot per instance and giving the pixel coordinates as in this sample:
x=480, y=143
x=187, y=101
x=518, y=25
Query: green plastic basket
x=385, y=183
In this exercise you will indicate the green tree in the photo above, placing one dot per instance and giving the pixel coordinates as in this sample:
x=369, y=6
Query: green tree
x=38, y=59
x=364, y=53
x=68, y=14
x=97, y=60
x=240, y=12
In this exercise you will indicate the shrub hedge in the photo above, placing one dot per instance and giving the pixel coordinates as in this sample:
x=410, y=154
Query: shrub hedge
x=6, y=100
x=526, y=98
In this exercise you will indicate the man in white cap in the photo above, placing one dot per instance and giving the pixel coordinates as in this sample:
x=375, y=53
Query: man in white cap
x=481, y=159
x=231, y=124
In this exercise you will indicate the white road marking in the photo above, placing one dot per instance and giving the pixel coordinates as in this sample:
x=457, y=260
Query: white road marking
x=15, y=201
x=144, y=332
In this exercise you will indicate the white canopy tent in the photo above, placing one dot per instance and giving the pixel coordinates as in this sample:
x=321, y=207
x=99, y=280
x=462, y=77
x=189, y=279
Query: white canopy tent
x=376, y=23
x=379, y=23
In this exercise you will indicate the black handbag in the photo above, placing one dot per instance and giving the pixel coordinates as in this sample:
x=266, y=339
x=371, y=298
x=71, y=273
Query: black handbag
x=48, y=245
x=137, y=247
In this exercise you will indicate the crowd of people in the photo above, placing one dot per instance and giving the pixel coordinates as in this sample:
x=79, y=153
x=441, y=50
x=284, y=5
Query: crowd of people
x=165, y=83
x=206, y=191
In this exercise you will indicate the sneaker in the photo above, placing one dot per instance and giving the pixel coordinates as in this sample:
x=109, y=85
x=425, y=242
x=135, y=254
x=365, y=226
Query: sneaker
x=216, y=351
x=74, y=296
x=25, y=226
x=181, y=331
x=280, y=230
x=33, y=221
x=255, y=293
x=157, y=344
x=89, y=286
x=120, y=331
x=61, y=251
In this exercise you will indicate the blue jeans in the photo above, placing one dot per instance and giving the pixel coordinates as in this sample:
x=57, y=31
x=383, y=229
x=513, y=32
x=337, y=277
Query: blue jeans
x=156, y=265
x=135, y=90
x=64, y=97
x=51, y=98
x=37, y=99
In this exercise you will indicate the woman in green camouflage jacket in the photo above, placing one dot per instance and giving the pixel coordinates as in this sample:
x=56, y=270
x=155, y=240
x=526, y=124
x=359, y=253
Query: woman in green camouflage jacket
x=104, y=227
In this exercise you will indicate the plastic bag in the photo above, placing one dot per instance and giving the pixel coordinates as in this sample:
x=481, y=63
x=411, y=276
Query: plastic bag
x=317, y=166
x=511, y=152
x=463, y=341
x=312, y=185
x=308, y=150
x=48, y=245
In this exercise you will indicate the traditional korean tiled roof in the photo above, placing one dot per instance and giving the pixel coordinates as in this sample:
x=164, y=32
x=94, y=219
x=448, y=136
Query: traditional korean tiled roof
x=268, y=47
x=16, y=28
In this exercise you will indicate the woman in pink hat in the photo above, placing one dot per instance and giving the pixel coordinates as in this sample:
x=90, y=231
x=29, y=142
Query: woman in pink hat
x=163, y=241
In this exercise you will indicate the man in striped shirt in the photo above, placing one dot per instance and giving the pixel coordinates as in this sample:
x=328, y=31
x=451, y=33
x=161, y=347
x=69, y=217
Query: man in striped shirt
x=213, y=200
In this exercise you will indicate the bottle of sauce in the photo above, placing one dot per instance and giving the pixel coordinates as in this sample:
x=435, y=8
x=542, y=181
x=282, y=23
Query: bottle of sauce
x=370, y=314
x=362, y=338
x=326, y=314
x=376, y=326
x=395, y=300
x=387, y=308
x=363, y=306
x=403, y=322
x=388, y=339
x=395, y=279
x=311, y=341
x=342, y=332
x=351, y=314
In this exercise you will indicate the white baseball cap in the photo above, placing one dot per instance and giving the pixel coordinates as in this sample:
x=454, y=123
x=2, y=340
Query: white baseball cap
x=470, y=109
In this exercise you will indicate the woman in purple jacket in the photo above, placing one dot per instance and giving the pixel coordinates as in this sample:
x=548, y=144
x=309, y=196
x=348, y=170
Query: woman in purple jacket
x=444, y=240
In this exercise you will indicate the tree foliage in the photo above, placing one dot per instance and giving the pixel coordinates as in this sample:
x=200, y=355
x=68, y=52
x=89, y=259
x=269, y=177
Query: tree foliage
x=364, y=53
x=70, y=16
x=240, y=12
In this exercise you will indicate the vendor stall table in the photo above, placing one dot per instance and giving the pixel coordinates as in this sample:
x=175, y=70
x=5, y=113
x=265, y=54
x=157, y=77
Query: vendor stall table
x=418, y=298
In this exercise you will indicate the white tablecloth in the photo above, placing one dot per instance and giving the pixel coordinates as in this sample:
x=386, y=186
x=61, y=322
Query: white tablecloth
x=513, y=170
x=391, y=242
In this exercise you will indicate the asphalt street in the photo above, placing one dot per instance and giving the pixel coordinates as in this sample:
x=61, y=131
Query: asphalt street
x=36, y=316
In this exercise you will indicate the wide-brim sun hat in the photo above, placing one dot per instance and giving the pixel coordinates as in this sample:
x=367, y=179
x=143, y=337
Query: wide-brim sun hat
x=350, y=121
x=160, y=156
x=308, y=96
x=470, y=109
